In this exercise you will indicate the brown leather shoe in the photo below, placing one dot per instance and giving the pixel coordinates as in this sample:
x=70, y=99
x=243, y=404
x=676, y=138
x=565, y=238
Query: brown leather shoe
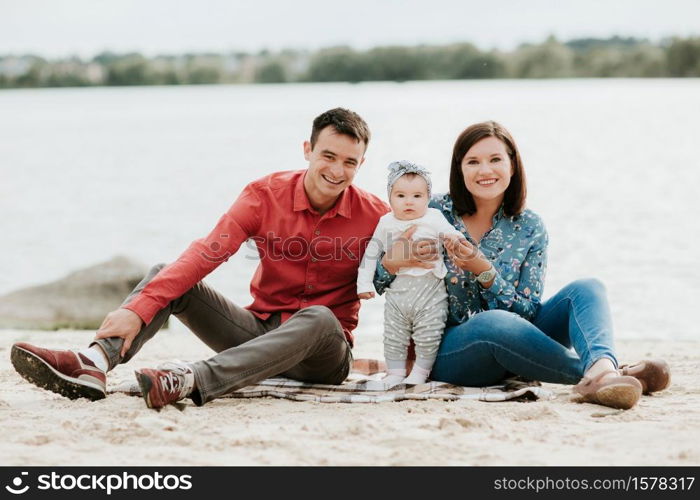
x=654, y=374
x=617, y=392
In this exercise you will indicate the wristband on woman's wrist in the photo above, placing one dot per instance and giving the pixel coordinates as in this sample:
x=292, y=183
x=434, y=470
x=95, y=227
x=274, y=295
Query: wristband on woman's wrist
x=486, y=276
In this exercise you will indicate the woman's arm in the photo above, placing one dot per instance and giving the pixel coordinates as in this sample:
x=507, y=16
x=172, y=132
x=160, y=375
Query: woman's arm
x=524, y=294
x=382, y=278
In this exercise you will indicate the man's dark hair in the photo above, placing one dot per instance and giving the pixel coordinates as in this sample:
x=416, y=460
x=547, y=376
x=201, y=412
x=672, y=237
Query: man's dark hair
x=344, y=122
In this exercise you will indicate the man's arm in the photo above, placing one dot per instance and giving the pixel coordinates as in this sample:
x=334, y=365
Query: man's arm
x=203, y=256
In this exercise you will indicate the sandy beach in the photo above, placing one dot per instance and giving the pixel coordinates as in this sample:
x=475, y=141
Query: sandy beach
x=42, y=428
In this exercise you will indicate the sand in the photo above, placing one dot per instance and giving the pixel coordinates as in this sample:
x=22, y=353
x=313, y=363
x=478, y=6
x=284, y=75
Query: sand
x=42, y=428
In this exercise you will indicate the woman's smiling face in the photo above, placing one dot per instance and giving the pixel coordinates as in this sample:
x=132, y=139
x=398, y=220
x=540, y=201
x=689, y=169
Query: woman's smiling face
x=487, y=169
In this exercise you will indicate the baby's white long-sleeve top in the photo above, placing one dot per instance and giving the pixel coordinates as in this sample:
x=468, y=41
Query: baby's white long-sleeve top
x=430, y=226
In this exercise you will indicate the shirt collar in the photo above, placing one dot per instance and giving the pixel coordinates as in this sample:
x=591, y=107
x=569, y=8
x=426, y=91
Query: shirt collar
x=341, y=207
x=498, y=215
x=447, y=206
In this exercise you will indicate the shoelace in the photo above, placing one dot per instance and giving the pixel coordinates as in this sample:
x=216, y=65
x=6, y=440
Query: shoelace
x=174, y=380
x=171, y=382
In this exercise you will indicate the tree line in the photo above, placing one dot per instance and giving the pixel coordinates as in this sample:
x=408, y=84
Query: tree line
x=614, y=57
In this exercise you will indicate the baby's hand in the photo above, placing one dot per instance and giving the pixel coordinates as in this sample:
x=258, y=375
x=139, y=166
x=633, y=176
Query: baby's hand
x=453, y=239
x=365, y=295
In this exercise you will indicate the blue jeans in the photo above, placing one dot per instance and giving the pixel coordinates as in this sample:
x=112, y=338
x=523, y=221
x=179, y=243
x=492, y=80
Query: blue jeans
x=493, y=345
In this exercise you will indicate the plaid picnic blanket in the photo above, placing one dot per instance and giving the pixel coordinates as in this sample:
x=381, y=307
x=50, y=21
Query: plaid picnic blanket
x=363, y=388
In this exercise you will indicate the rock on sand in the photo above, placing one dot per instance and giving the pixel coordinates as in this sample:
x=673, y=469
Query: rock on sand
x=79, y=301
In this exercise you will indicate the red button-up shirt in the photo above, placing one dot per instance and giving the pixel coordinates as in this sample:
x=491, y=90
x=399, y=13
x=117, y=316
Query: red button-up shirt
x=305, y=258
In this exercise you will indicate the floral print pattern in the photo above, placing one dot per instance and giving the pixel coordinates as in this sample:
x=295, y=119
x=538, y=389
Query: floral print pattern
x=517, y=248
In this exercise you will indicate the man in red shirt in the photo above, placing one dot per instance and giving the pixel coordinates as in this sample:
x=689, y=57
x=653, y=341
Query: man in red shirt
x=310, y=228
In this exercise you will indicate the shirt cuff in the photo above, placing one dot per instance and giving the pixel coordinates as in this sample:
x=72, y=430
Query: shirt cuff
x=496, y=290
x=382, y=278
x=143, y=308
x=382, y=273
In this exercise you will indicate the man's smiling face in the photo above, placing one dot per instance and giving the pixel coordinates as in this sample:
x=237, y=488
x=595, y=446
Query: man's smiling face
x=333, y=163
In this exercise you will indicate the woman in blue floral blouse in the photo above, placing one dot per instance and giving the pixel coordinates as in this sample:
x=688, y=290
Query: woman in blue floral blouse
x=497, y=324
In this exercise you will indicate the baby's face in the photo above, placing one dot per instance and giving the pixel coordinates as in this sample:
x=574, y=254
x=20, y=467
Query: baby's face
x=409, y=197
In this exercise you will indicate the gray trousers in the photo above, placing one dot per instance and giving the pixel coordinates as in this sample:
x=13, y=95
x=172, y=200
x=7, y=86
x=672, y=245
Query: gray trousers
x=415, y=308
x=310, y=346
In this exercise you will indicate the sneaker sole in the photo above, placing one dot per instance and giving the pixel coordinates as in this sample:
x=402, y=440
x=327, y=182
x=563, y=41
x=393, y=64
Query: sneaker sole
x=145, y=384
x=620, y=396
x=660, y=378
x=38, y=372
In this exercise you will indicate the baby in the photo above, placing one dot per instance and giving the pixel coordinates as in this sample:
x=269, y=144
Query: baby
x=416, y=301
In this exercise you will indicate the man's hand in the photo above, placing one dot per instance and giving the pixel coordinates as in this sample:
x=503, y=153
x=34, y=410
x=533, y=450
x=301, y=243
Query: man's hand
x=405, y=252
x=365, y=295
x=121, y=323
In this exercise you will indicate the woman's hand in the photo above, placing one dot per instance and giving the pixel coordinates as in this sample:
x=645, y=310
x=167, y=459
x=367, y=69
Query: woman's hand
x=405, y=252
x=121, y=323
x=365, y=295
x=465, y=255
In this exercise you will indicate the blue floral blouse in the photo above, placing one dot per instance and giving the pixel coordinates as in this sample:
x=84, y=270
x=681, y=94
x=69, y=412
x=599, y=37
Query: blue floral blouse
x=517, y=248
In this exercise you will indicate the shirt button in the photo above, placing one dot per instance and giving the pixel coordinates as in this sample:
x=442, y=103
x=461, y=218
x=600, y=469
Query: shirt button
x=311, y=287
x=304, y=300
x=314, y=259
x=317, y=232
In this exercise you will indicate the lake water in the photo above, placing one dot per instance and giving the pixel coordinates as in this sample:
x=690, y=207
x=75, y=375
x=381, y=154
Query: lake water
x=612, y=167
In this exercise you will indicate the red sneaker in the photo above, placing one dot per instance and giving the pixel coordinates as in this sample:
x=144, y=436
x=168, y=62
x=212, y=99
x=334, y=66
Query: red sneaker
x=67, y=373
x=168, y=383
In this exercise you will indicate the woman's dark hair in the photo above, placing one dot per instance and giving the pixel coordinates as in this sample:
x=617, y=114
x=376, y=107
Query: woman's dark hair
x=462, y=199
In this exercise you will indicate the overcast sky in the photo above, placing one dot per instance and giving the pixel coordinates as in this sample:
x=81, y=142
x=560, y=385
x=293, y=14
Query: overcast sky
x=85, y=27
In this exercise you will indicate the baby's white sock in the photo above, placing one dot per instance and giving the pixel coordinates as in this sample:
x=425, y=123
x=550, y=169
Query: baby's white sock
x=394, y=377
x=96, y=355
x=419, y=375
